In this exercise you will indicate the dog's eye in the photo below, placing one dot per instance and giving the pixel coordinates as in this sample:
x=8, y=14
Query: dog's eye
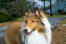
x=33, y=21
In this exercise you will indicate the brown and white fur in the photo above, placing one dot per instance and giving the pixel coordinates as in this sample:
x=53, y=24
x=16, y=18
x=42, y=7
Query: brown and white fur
x=34, y=30
x=38, y=28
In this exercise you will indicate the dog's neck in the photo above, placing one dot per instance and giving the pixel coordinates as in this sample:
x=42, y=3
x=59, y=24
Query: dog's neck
x=47, y=29
x=36, y=38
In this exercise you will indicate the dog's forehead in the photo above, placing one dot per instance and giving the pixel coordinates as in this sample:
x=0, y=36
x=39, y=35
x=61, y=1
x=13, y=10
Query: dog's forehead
x=31, y=16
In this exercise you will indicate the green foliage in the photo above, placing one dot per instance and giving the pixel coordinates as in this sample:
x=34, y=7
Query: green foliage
x=65, y=12
x=19, y=7
x=15, y=7
x=5, y=17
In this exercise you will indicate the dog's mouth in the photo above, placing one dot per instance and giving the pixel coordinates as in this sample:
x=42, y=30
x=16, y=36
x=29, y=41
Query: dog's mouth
x=28, y=33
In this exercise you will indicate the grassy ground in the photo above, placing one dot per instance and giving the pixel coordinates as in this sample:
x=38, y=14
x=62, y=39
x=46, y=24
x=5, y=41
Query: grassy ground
x=57, y=16
x=64, y=22
x=59, y=35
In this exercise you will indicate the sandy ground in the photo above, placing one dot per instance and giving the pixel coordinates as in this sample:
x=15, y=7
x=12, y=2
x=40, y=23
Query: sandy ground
x=59, y=35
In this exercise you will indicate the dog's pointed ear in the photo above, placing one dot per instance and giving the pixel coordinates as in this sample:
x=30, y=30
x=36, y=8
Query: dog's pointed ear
x=27, y=12
x=37, y=12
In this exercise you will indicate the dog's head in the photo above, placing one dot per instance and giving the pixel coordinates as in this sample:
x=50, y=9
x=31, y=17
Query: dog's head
x=34, y=22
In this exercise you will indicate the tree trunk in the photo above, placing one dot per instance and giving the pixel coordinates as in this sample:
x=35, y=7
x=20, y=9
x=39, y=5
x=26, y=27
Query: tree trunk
x=44, y=6
x=50, y=8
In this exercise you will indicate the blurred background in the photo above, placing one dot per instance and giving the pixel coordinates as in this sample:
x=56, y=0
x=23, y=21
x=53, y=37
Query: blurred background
x=13, y=11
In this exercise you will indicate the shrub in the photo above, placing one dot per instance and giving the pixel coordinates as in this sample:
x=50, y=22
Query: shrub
x=65, y=12
x=60, y=11
x=5, y=17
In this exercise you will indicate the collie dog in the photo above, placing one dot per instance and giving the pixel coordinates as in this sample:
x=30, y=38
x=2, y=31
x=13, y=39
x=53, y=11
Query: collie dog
x=35, y=29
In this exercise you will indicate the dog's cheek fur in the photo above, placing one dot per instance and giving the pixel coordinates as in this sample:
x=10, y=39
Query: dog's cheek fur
x=41, y=29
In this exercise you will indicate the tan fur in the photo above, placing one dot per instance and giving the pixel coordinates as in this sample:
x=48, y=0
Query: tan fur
x=36, y=22
x=12, y=34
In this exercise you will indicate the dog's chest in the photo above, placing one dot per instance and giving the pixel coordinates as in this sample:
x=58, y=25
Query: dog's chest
x=36, y=38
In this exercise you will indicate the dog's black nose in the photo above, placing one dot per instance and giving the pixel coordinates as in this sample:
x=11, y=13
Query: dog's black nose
x=25, y=30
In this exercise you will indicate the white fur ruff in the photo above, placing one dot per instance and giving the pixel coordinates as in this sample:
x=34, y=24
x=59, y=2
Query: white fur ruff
x=37, y=38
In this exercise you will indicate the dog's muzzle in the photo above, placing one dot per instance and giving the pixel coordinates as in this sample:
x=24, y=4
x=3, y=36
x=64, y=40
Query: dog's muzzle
x=27, y=31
